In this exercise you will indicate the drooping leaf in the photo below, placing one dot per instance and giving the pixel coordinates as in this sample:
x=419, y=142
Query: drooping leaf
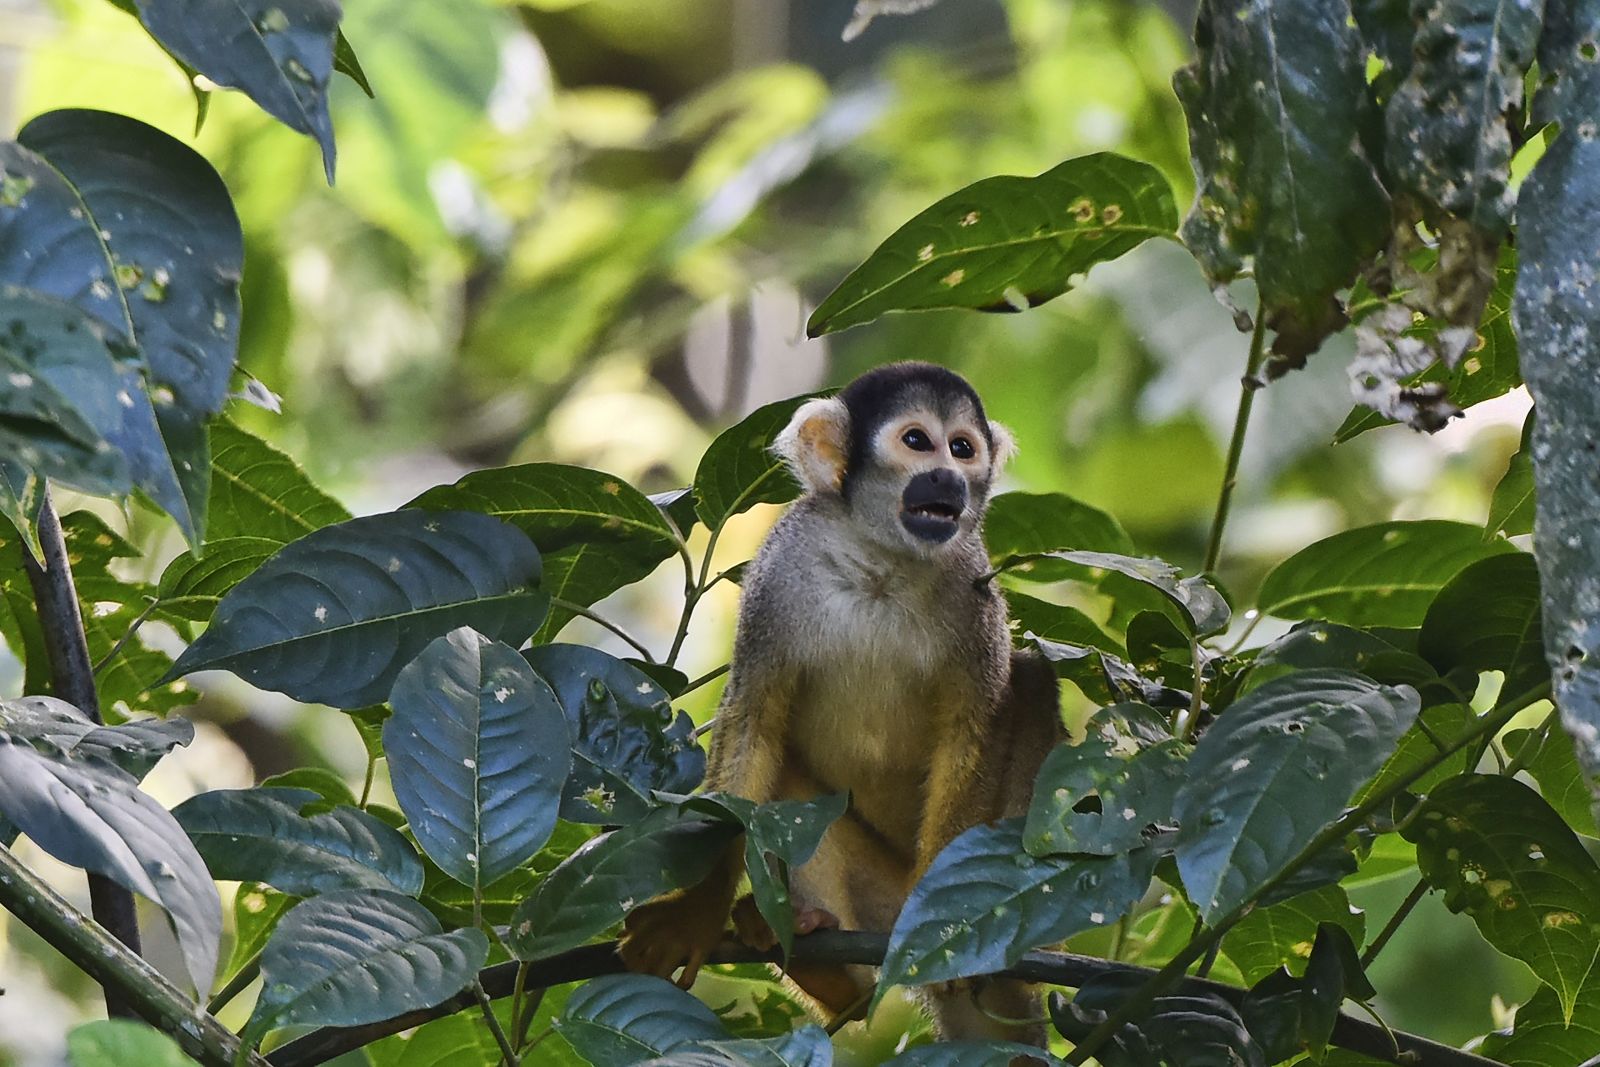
x=1007, y=243
x=346, y=63
x=1273, y=771
x=1098, y=797
x=191, y=587
x=478, y=750
x=1275, y=105
x=605, y=879
x=985, y=902
x=166, y=278
x=1200, y=606
x=739, y=471
x=334, y=616
x=620, y=1020
x=136, y=747
x=595, y=532
x=1381, y=575
x=260, y=835
x=113, y=1042
x=1502, y=855
x=1288, y=1014
x=1486, y=618
x=90, y=814
x=358, y=956
x=1189, y=1028
x=257, y=491
x=627, y=741
x=1283, y=935
x=280, y=53
x=1511, y=506
x=1554, y=767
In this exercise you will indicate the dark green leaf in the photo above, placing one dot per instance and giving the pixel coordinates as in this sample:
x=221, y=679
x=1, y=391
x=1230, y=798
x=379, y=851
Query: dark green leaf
x=478, y=750
x=1282, y=935
x=968, y=1054
x=1288, y=1015
x=136, y=747
x=1487, y=619
x=739, y=470
x=626, y=740
x=1324, y=644
x=624, y=1019
x=192, y=587
x=445, y=896
x=346, y=63
x=115, y=1042
x=334, y=616
x=1098, y=796
x=1054, y=622
x=1511, y=507
x=1502, y=855
x=90, y=814
x=1021, y=523
x=1201, y=607
x=260, y=835
x=1544, y=1036
x=1007, y=243
x=1554, y=766
x=985, y=902
x=1382, y=575
x=605, y=879
x=1196, y=1030
x=1436, y=726
x=1274, y=770
x=1275, y=105
x=257, y=491
x=358, y=956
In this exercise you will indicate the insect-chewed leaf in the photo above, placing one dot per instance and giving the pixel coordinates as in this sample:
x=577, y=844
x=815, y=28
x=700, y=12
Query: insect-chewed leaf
x=91, y=814
x=1554, y=765
x=1098, y=796
x=333, y=617
x=595, y=532
x=256, y=911
x=601, y=882
x=1022, y=523
x=359, y=956
x=136, y=747
x=1282, y=935
x=621, y=1020
x=1486, y=618
x=191, y=587
x=259, y=835
x=257, y=491
x=739, y=471
x=1007, y=243
x=969, y=1054
x=1199, y=605
x=626, y=740
x=1274, y=771
x=114, y=1042
x=1382, y=575
x=479, y=750
x=280, y=53
x=1502, y=855
x=985, y=902
x=154, y=249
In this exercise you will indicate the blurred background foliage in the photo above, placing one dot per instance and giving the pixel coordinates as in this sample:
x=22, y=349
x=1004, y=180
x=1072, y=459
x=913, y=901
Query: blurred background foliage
x=590, y=231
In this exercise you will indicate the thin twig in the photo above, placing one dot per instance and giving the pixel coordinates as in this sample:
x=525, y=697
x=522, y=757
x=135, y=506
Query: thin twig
x=1241, y=422
x=122, y=642
x=705, y=679
x=248, y=972
x=605, y=624
x=508, y=1053
x=1413, y=898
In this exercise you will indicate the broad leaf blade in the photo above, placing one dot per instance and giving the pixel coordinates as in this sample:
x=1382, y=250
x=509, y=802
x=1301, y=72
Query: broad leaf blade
x=739, y=470
x=624, y=1019
x=114, y=1042
x=1544, y=1033
x=191, y=587
x=478, y=750
x=1007, y=243
x=333, y=617
x=1200, y=606
x=1097, y=797
x=967, y=1054
x=136, y=747
x=1511, y=506
x=1273, y=771
x=1020, y=523
x=257, y=491
x=1554, y=766
x=1487, y=618
x=1283, y=935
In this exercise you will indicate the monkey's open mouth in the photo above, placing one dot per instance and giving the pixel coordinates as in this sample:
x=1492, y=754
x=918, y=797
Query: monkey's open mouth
x=934, y=520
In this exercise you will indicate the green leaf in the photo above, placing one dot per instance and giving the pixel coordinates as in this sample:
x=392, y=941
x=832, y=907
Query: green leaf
x=191, y=587
x=1007, y=243
x=445, y=896
x=1022, y=523
x=279, y=53
x=114, y=1042
x=1275, y=105
x=464, y=1040
x=329, y=787
x=1275, y=770
x=256, y=911
x=968, y=1054
x=1487, y=619
x=136, y=747
x=346, y=63
x=1283, y=935
x=1381, y=575
x=1503, y=856
x=1098, y=796
x=333, y=617
x=1325, y=644
x=478, y=750
x=257, y=491
x=166, y=280
x=985, y=902
x=1511, y=506
x=260, y=835
x=808, y=1046
x=600, y=883
x=90, y=814
x=739, y=470
x=1054, y=622
x=359, y=956
x=1200, y=606
x=1554, y=765
x=1288, y=1015
x=595, y=532
x=1436, y=725
x=620, y=1020
x=1199, y=1029
x=1545, y=1036
x=627, y=742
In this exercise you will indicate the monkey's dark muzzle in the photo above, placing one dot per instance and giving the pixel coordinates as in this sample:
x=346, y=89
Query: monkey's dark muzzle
x=931, y=506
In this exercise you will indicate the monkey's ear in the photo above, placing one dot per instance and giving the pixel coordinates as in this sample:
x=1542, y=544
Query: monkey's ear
x=1005, y=446
x=815, y=444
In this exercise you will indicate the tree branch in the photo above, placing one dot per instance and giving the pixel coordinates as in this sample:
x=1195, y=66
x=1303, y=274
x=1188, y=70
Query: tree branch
x=836, y=946
x=72, y=679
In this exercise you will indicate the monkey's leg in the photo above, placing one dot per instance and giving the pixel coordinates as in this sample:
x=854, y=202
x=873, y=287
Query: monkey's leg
x=682, y=927
x=994, y=1009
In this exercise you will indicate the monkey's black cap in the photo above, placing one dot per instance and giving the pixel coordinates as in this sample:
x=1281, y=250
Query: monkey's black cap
x=881, y=394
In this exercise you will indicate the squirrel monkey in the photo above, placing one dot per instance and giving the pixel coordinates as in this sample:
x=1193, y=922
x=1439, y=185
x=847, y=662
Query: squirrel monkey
x=869, y=658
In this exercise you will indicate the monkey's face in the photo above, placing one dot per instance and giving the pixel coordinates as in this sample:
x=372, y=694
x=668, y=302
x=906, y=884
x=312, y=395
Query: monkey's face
x=939, y=466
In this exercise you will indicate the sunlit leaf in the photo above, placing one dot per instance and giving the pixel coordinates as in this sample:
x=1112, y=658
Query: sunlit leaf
x=257, y=491
x=1098, y=796
x=1283, y=935
x=256, y=911
x=1511, y=506
x=1201, y=607
x=739, y=471
x=192, y=587
x=114, y=1042
x=1544, y=1035
x=1019, y=523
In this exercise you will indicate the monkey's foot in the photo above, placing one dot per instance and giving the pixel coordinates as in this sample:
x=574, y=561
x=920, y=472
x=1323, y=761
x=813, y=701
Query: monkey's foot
x=752, y=928
x=663, y=935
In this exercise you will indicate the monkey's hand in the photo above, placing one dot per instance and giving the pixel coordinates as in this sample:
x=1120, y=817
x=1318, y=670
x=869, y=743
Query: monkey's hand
x=752, y=928
x=680, y=929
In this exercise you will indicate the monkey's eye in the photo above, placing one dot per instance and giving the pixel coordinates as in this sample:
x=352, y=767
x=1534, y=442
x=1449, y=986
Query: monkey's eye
x=961, y=448
x=916, y=440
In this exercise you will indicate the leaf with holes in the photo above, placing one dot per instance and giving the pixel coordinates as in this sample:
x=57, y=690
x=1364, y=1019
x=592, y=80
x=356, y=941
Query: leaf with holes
x=256, y=912
x=1545, y=1034
x=1273, y=772
x=739, y=471
x=1503, y=856
x=260, y=835
x=985, y=902
x=1007, y=243
x=627, y=742
x=1487, y=619
x=92, y=815
x=333, y=617
x=1283, y=934
x=478, y=750
x=360, y=956
x=1098, y=796
x=620, y=1020
x=1200, y=606
x=257, y=491
x=595, y=532
x=1325, y=644
x=1382, y=575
